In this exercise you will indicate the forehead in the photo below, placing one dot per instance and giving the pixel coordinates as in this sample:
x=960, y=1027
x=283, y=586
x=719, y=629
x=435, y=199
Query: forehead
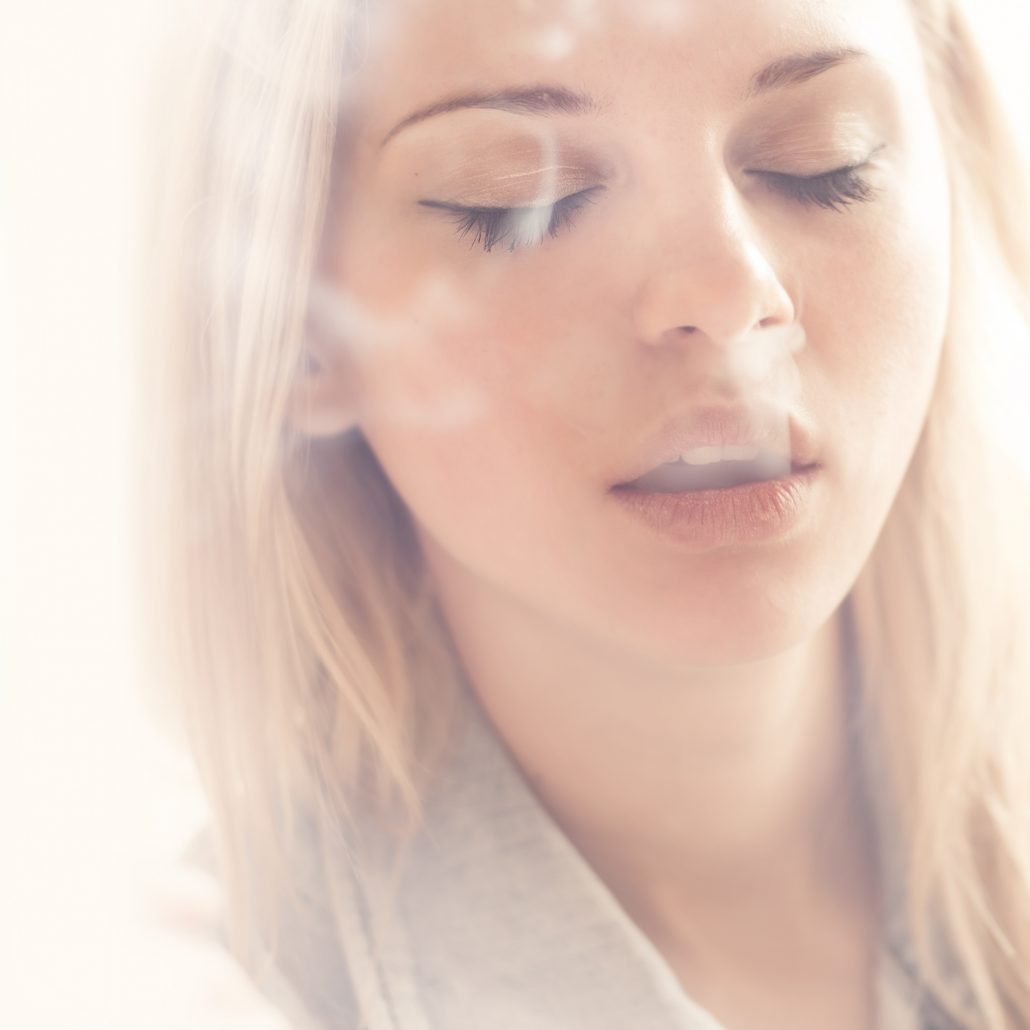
x=432, y=47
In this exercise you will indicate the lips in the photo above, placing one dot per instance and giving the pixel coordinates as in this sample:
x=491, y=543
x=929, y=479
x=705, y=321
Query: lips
x=717, y=447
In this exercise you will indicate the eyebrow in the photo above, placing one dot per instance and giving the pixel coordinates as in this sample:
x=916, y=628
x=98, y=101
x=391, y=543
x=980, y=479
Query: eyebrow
x=550, y=99
x=528, y=100
x=797, y=68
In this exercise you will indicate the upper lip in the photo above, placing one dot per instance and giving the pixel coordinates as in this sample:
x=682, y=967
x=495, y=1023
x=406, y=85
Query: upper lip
x=772, y=433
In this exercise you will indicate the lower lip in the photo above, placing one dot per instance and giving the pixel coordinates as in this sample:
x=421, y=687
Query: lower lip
x=749, y=513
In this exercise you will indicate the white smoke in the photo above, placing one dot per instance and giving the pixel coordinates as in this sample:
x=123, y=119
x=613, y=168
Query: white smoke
x=341, y=319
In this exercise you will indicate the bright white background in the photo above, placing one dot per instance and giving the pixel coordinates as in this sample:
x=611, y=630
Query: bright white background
x=94, y=800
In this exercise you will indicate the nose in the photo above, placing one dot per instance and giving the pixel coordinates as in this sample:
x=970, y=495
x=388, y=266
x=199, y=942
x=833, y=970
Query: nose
x=712, y=279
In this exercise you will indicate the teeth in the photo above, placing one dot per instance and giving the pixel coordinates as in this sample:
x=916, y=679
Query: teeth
x=710, y=455
x=680, y=476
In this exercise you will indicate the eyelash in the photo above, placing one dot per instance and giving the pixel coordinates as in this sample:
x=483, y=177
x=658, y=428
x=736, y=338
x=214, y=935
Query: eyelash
x=489, y=226
x=834, y=190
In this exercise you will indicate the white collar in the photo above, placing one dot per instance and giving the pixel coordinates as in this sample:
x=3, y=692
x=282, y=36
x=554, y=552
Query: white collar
x=492, y=920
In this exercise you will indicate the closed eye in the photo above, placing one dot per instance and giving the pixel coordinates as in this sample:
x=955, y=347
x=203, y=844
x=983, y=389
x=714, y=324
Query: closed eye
x=528, y=226
x=833, y=190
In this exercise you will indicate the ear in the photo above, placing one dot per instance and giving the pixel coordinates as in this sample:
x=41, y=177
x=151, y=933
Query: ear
x=324, y=398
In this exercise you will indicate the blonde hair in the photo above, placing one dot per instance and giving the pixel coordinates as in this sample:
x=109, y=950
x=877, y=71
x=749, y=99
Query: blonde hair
x=295, y=624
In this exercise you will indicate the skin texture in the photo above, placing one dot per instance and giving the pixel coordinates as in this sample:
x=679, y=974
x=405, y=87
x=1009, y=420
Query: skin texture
x=505, y=392
x=679, y=709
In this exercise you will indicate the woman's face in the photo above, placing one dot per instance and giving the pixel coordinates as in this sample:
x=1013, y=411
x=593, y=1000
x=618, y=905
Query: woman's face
x=682, y=252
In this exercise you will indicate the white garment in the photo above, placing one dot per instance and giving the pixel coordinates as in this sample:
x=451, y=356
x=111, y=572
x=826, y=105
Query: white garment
x=500, y=924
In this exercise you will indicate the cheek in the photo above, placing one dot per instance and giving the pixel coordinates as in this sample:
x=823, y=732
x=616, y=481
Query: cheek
x=503, y=345
x=884, y=315
x=454, y=408
x=485, y=351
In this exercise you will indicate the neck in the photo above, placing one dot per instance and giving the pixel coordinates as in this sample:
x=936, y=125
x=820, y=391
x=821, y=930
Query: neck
x=690, y=791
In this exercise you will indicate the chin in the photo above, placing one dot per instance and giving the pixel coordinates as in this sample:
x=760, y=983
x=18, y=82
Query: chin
x=725, y=635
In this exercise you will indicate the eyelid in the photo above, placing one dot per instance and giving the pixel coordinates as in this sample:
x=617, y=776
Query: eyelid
x=814, y=137
x=536, y=188
x=851, y=162
x=836, y=170
x=460, y=205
